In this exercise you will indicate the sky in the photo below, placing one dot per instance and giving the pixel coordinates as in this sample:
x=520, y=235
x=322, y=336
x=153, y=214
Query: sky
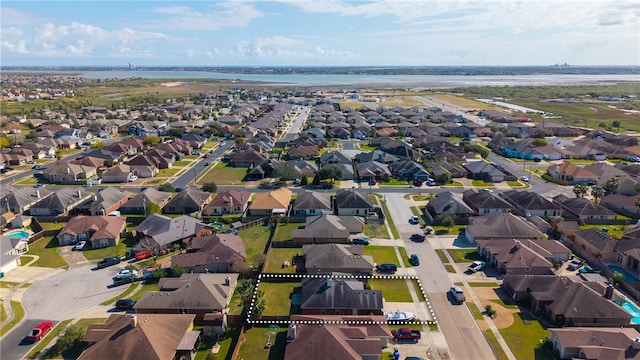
x=319, y=33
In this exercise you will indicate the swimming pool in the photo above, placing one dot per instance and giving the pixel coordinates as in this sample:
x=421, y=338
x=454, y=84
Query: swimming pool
x=627, y=275
x=632, y=310
x=18, y=234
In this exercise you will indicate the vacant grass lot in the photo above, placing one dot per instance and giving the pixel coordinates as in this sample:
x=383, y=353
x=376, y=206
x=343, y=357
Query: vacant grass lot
x=378, y=231
x=278, y=297
x=223, y=174
x=392, y=290
x=284, y=231
x=381, y=254
x=524, y=338
x=168, y=172
x=464, y=255
x=255, y=240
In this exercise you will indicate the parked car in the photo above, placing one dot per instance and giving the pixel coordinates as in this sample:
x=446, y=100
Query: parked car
x=457, y=293
x=476, y=266
x=418, y=237
x=414, y=220
x=327, y=186
x=387, y=268
x=575, y=264
x=524, y=178
x=417, y=183
x=132, y=178
x=405, y=334
x=141, y=255
x=40, y=331
x=80, y=245
x=38, y=185
x=125, y=304
x=360, y=241
x=413, y=260
x=109, y=261
x=589, y=270
x=125, y=273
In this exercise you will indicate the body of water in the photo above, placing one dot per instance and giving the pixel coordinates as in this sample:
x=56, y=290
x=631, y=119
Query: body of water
x=632, y=310
x=402, y=81
x=627, y=275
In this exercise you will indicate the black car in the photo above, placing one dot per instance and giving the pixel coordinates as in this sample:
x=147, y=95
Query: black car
x=124, y=304
x=109, y=261
x=413, y=260
x=388, y=268
x=418, y=237
x=327, y=186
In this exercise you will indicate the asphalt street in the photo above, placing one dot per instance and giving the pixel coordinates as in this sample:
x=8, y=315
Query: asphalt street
x=187, y=178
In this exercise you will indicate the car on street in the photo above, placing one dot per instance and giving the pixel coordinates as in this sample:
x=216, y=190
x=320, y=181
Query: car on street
x=132, y=178
x=125, y=273
x=457, y=293
x=476, y=266
x=418, y=237
x=80, y=245
x=387, y=268
x=417, y=182
x=39, y=185
x=141, y=255
x=125, y=304
x=414, y=260
x=40, y=331
x=414, y=220
x=109, y=261
x=362, y=240
x=524, y=178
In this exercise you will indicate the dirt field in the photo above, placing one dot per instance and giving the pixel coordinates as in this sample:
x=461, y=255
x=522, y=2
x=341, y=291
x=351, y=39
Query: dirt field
x=504, y=316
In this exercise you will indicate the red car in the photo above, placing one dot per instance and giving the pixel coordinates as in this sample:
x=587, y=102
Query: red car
x=141, y=255
x=40, y=331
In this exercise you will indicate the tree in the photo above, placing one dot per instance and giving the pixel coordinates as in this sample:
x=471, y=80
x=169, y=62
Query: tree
x=445, y=178
x=448, y=222
x=108, y=163
x=175, y=132
x=615, y=124
x=166, y=187
x=580, y=190
x=97, y=145
x=284, y=172
x=597, y=192
x=151, y=140
x=304, y=181
x=260, y=304
x=58, y=154
x=612, y=185
x=638, y=202
x=210, y=187
x=70, y=336
x=538, y=142
x=5, y=142
x=245, y=289
x=241, y=141
x=316, y=180
x=330, y=172
x=177, y=271
x=153, y=208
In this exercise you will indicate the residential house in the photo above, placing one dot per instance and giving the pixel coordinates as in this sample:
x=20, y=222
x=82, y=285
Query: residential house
x=333, y=296
x=247, y=158
x=97, y=231
x=327, y=228
x=596, y=343
x=334, y=157
x=301, y=151
x=138, y=204
x=197, y=294
x=583, y=209
x=104, y=202
x=484, y=171
x=188, y=201
x=228, y=202
x=596, y=243
x=501, y=226
x=105, y=155
x=351, y=202
x=158, y=232
x=64, y=172
x=121, y=173
x=19, y=200
x=212, y=254
x=376, y=155
x=195, y=141
x=523, y=257
x=486, y=202
x=348, y=337
x=563, y=302
x=448, y=204
x=373, y=170
x=311, y=203
x=60, y=202
x=340, y=258
x=568, y=173
x=529, y=203
x=303, y=168
x=272, y=202
x=142, y=337
x=410, y=170
x=626, y=183
x=621, y=204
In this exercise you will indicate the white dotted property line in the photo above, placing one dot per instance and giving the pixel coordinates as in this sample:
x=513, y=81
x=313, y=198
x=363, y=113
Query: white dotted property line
x=352, y=322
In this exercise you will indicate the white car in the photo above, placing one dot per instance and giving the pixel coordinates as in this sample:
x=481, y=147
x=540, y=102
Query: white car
x=477, y=266
x=524, y=178
x=125, y=273
x=79, y=245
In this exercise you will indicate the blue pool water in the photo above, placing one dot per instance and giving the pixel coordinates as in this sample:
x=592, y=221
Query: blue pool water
x=627, y=276
x=217, y=225
x=632, y=310
x=19, y=234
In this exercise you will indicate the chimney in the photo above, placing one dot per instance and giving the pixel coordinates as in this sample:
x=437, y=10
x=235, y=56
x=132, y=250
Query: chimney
x=38, y=194
x=227, y=281
x=518, y=243
x=95, y=198
x=292, y=332
x=79, y=194
x=133, y=321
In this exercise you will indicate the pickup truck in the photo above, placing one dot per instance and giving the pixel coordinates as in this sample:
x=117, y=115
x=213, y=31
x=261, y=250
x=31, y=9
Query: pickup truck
x=109, y=261
x=405, y=334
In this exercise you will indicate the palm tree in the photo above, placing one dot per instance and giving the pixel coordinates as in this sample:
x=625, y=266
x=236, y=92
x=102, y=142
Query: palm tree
x=597, y=192
x=580, y=190
x=612, y=185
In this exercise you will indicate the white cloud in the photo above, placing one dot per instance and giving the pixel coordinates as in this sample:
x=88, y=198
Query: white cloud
x=234, y=14
x=11, y=32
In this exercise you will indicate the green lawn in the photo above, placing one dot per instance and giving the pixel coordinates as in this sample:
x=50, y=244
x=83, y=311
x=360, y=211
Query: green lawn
x=482, y=183
x=483, y=284
x=421, y=297
x=509, y=304
x=47, y=250
x=3, y=314
x=253, y=344
x=442, y=256
x=277, y=256
x=235, y=304
x=255, y=240
x=615, y=231
x=495, y=345
x=223, y=174
x=52, y=225
x=404, y=256
x=168, y=172
x=389, y=220
x=284, y=231
x=450, y=268
x=392, y=290
x=18, y=314
x=181, y=163
x=278, y=297
x=464, y=255
x=375, y=230
x=454, y=184
x=226, y=345
x=381, y=254
x=443, y=230
x=54, y=350
x=143, y=289
x=477, y=314
x=120, y=249
x=122, y=295
x=524, y=338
